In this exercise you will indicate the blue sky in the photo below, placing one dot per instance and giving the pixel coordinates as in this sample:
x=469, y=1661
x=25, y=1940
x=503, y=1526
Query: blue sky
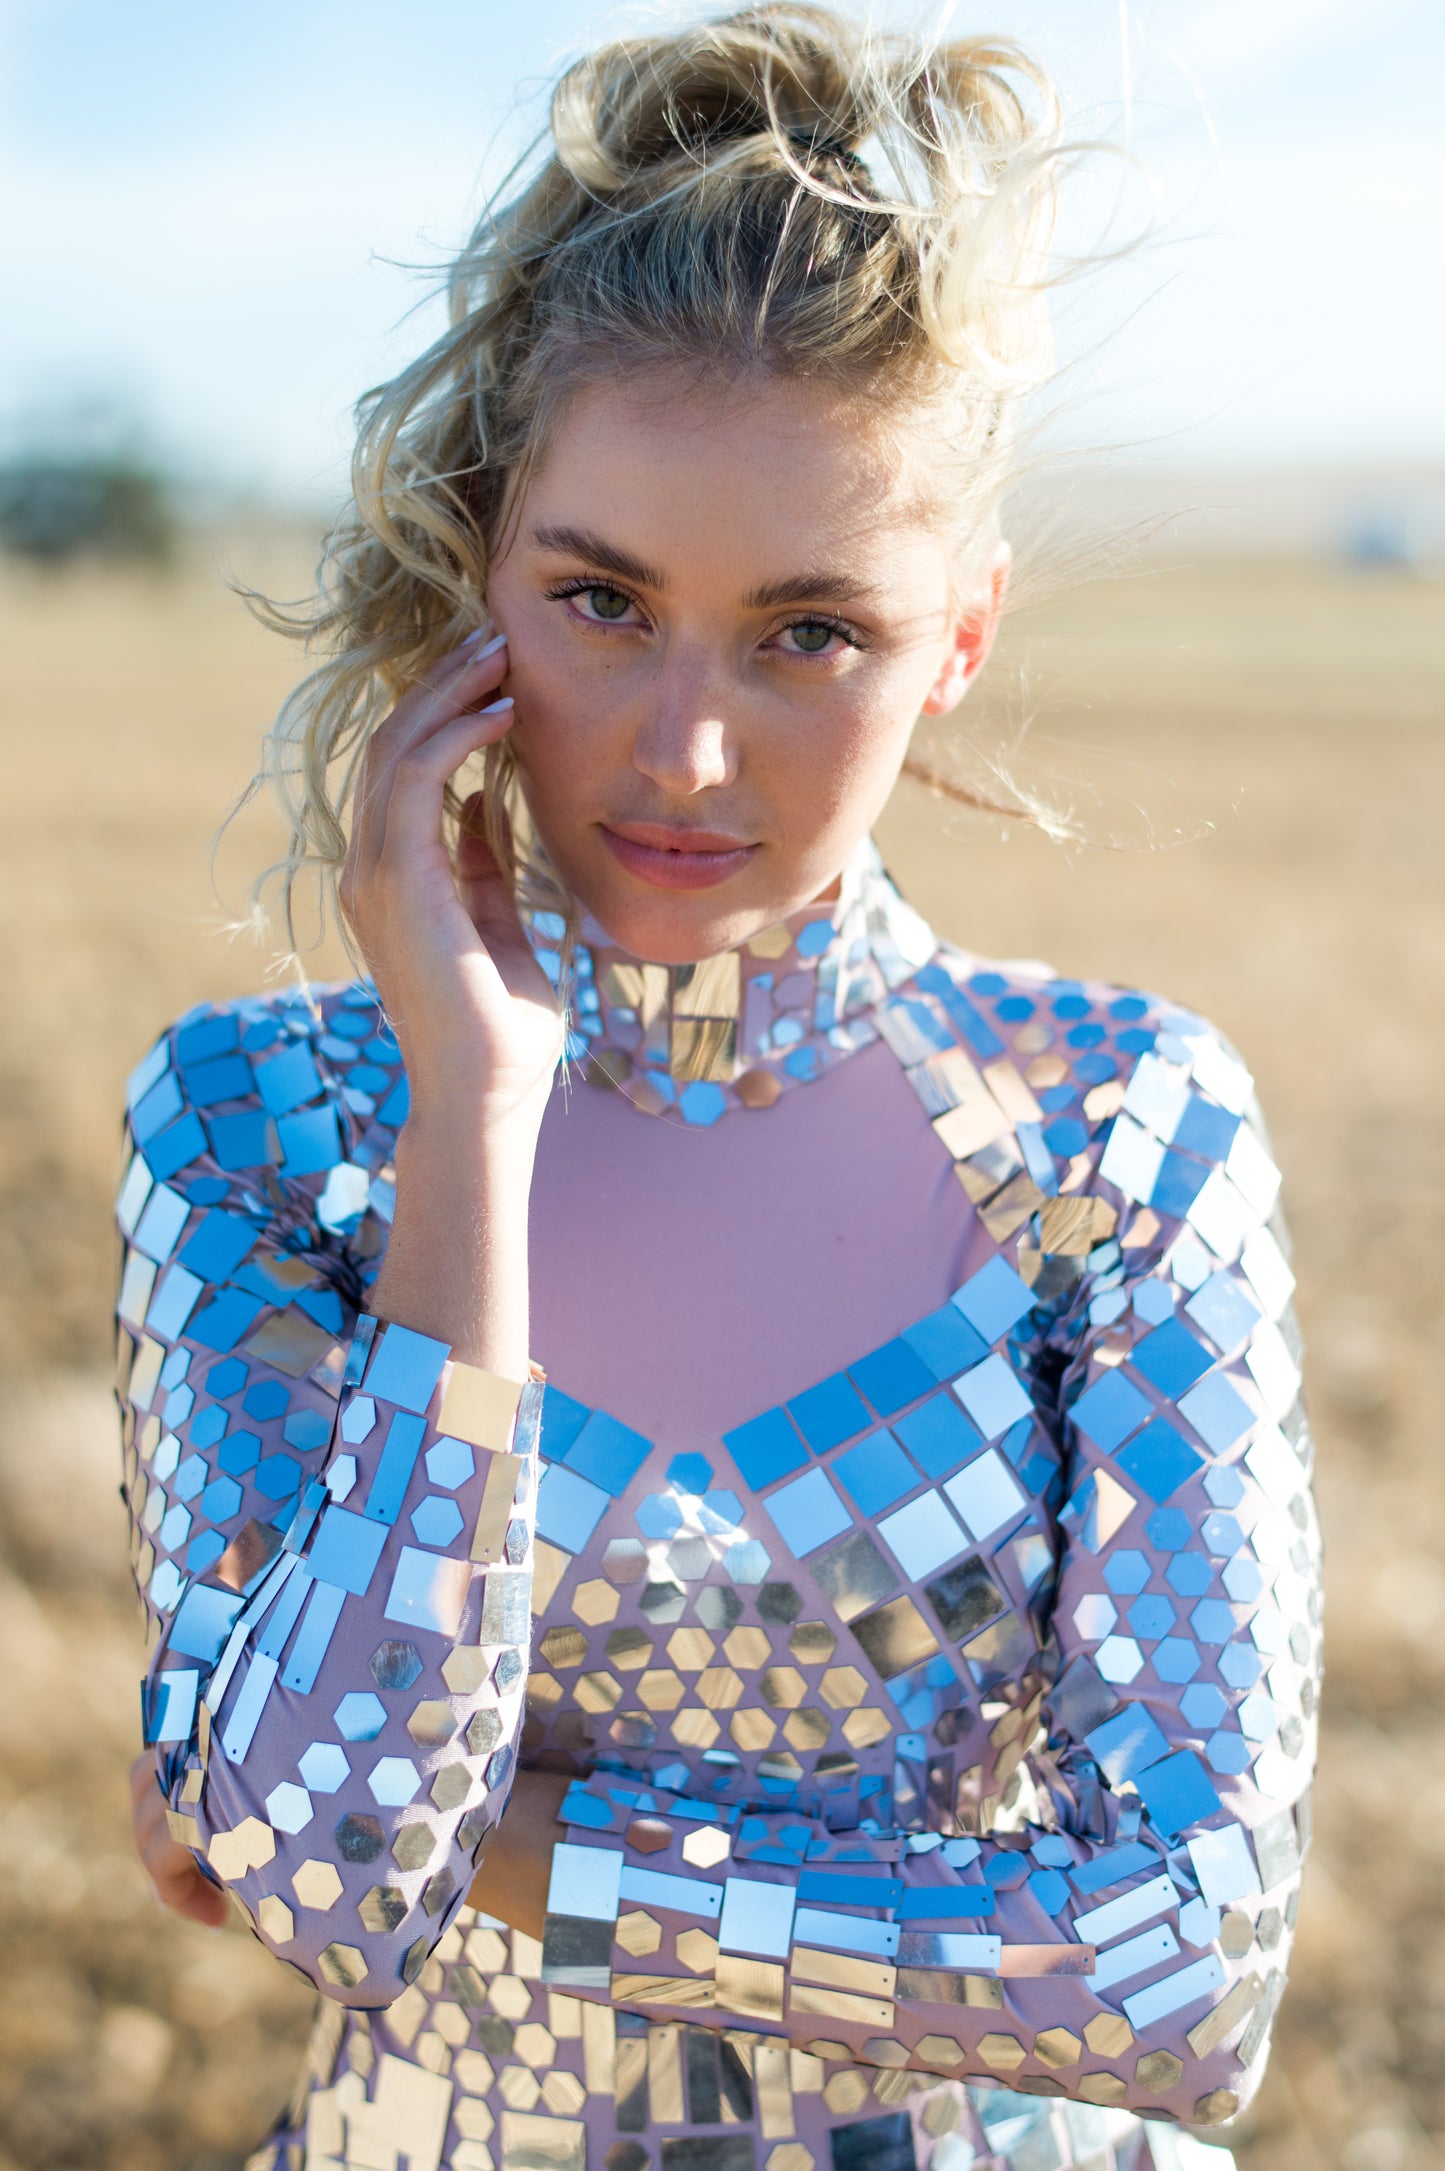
x=208, y=211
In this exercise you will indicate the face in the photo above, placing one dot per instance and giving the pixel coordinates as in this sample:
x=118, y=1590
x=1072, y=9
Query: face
x=725, y=608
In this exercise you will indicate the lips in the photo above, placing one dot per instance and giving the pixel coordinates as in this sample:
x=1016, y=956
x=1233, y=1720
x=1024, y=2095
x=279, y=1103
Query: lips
x=676, y=859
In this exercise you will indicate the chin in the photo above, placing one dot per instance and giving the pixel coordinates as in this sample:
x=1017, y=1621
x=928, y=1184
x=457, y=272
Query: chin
x=679, y=930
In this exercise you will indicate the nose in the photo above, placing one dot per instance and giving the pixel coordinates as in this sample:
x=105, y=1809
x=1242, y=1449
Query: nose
x=682, y=744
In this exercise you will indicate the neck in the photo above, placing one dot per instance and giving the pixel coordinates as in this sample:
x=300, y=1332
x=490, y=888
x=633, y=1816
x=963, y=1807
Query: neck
x=742, y=1028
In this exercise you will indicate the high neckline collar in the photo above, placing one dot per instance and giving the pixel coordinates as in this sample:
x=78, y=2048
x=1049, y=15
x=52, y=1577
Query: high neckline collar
x=691, y=1042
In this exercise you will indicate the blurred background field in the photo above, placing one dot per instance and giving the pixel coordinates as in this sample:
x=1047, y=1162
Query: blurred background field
x=1258, y=752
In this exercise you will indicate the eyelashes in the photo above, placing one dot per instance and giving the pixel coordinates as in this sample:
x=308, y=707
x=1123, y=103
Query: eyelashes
x=840, y=626
x=577, y=585
x=568, y=588
x=582, y=585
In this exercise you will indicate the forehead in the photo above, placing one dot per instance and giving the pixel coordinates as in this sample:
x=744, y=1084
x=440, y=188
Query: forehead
x=760, y=471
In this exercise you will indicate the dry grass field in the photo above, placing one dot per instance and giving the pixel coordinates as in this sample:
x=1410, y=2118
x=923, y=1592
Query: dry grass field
x=1258, y=755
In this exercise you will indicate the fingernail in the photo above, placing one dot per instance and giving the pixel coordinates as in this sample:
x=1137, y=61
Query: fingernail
x=493, y=707
x=498, y=640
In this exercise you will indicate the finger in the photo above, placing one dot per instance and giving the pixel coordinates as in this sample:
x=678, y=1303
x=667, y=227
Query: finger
x=471, y=650
x=176, y=1878
x=147, y=1805
x=437, y=677
x=414, y=802
x=485, y=893
x=476, y=861
x=461, y=682
x=487, y=898
x=407, y=824
x=186, y=1891
x=458, y=684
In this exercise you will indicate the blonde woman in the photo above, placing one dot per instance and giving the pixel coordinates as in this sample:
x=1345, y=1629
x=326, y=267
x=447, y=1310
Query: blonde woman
x=856, y=1712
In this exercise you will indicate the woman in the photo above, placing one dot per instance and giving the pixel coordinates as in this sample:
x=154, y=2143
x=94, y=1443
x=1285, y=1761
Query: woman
x=912, y=1767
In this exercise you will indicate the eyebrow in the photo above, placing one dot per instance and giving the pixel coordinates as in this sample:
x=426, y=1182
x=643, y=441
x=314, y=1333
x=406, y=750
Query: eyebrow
x=818, y=586
x=607, y=557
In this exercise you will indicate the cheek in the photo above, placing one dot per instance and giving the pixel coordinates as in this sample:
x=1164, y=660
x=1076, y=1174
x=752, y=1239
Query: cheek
x=849, y=763
x=563, y=733
x=850, y=743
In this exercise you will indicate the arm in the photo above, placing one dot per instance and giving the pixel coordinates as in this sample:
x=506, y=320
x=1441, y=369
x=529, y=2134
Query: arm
x=398, y=1562
x=1127, y=1946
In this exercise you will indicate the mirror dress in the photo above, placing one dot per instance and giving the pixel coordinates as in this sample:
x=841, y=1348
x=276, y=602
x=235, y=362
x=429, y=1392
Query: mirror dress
x=939, y=1735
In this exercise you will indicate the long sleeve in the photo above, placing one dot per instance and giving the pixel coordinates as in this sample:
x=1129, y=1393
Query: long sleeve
x=1115, y=1415
x=332, y=1521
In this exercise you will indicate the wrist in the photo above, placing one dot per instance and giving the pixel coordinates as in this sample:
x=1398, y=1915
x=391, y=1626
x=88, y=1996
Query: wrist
x=472, y=1139
x=461, y=1086
x=456, y=1260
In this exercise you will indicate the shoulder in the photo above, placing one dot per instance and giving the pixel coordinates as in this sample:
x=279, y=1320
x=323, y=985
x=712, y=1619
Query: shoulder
x=292, y=1081
x=1107, y=1090
x=1096, y=1030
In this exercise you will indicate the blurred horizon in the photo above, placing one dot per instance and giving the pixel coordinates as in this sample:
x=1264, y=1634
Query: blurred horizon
x=221, y=216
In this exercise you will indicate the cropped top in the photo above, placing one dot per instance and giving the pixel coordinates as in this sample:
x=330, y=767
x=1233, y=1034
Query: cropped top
x=910, y=1558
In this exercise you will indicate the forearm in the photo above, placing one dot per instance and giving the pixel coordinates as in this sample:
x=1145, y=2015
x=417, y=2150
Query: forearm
x=456, y=1265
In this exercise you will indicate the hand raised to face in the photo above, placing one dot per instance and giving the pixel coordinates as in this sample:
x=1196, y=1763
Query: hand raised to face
x=473, y=1011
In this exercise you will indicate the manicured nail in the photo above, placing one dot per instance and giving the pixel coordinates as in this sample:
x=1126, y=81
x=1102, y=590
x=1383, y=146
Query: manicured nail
x=493, y=707
x=498, y=640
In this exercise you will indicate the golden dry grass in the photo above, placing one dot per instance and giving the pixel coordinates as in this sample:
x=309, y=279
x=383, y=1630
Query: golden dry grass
x=1296, y=711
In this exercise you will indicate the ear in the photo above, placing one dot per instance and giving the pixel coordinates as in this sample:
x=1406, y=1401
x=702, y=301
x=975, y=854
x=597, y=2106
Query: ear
x=971, y=638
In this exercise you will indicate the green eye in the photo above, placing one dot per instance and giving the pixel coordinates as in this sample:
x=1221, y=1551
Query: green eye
x=813, y=637
x=607, y=602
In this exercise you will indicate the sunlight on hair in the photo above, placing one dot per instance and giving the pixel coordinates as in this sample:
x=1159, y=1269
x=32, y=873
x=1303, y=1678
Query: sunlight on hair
x=782, y=189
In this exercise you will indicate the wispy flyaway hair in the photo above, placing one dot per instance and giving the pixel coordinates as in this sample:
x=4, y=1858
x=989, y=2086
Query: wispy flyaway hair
x=781, y=191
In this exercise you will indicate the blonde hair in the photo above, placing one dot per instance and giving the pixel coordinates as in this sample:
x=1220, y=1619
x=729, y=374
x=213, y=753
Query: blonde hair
x=780, y=190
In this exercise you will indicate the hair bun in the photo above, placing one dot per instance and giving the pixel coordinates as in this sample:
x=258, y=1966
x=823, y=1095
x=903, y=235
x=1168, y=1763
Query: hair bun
x=810, y=143
x=768, y=72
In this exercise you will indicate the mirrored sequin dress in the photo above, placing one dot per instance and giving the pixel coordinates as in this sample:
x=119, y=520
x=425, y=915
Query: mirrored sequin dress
x=910, y=1557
